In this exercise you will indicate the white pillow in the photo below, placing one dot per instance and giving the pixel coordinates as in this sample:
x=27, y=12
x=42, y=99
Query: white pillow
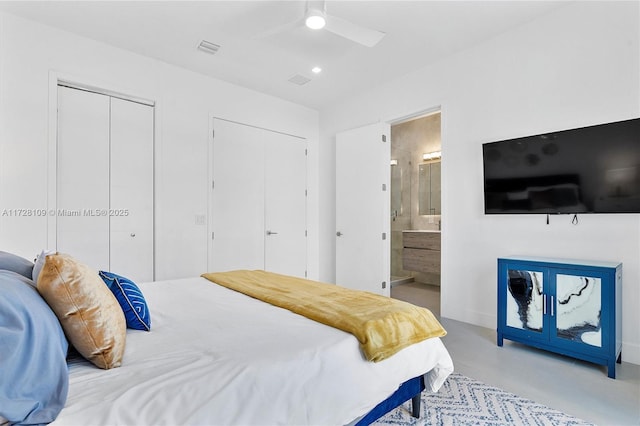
x=39, y=264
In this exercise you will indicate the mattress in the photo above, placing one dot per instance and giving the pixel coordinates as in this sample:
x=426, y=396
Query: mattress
x=217, y=357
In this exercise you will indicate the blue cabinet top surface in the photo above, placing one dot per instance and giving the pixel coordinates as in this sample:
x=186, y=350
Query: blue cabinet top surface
x=558, y=261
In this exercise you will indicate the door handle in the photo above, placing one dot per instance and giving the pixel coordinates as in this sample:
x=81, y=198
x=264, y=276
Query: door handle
x=339, y=234
x=271, y=233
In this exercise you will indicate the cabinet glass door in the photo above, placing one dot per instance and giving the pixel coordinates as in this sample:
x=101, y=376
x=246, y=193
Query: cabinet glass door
x=578, y=309
x=525, y=300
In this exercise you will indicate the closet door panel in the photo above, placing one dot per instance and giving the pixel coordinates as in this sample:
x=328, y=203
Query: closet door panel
x=82, y=179
x=131, y=206
x=238, y=197
x=285, y=204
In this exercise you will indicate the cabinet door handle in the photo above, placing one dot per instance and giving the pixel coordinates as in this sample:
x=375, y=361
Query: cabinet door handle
x=551, y=305
x=544, y=304
x=271, y=233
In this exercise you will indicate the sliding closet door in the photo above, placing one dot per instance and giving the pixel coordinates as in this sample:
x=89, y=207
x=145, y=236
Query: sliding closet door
x=238, y=197
x=131, y=196
x=82, y=183
x=285, y=205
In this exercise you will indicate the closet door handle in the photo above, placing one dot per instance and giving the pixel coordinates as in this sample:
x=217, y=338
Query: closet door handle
x=133, y=234
x=271, y=233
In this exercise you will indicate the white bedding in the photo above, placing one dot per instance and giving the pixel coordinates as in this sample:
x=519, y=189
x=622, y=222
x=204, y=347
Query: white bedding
x=217, y=357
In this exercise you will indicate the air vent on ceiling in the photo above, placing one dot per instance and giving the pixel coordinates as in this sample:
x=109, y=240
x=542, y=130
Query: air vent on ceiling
x=300, y=80
x=208, y=47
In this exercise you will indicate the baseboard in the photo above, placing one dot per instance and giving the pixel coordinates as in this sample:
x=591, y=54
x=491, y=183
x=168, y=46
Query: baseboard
x=471, y=317
x=400, y=281
x=631, y=353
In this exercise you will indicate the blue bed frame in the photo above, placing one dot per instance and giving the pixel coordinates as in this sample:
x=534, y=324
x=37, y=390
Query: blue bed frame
x=409, y=390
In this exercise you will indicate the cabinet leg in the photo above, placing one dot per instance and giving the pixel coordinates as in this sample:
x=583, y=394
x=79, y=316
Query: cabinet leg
x=619, y=360
x=611, y=369
x=500, y=342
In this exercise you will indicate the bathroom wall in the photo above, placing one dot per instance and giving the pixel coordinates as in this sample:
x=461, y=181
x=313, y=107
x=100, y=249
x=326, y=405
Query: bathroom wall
x=409, y=140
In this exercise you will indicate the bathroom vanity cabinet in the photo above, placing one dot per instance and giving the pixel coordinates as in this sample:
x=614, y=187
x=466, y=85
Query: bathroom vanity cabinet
x=421, y=251
x=565, y=306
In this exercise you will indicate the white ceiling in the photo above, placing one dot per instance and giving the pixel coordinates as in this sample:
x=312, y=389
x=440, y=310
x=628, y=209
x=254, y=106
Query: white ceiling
x=418, y=33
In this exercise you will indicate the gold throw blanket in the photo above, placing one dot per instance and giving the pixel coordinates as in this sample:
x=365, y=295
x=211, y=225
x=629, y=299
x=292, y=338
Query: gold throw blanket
x=382, y=325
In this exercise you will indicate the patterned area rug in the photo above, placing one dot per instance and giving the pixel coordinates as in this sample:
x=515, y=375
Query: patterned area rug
x=465, y=401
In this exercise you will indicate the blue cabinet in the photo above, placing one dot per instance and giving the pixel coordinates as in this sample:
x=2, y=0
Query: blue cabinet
x=566, y=306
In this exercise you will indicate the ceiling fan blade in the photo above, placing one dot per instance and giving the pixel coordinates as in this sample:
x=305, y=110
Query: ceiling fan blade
x=280, y=29
x=353, y=32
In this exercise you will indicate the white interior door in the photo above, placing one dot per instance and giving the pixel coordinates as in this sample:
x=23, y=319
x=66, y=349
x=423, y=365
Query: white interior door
x=131, y=201
x=362, y=208
x=104, y=182
x=238, y=198
x=285, y=204
x=258, y=200
x=82, y=178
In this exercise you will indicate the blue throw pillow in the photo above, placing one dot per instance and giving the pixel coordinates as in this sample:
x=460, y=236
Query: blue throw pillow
x=34, y=379
x=131, y=300
x=17, y=264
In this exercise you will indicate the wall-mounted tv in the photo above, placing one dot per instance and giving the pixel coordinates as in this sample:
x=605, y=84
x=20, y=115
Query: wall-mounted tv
x=593, y=169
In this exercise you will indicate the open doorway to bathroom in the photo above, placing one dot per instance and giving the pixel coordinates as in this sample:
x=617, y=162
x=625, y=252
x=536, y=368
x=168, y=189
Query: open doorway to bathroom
x=415, y=210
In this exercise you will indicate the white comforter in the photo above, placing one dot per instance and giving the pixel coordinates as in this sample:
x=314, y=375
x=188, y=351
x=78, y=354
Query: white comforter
x=217, y=357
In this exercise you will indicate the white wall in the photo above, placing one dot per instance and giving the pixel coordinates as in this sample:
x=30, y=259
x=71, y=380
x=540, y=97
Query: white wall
x=574, y=67
x=31, y=53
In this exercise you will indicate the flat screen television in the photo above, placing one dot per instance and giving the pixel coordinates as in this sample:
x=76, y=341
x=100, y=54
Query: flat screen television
x=593, y=169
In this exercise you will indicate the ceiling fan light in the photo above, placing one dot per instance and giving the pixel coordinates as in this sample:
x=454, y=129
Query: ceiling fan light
x=315, y=21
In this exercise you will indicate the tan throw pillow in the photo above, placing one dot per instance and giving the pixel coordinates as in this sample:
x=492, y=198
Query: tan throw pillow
x=88, y=312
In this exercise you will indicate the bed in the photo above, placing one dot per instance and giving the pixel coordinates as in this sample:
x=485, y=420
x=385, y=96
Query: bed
x=215, y=356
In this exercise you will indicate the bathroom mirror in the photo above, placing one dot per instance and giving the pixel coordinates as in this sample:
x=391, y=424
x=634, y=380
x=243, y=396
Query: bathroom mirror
x=429, y=188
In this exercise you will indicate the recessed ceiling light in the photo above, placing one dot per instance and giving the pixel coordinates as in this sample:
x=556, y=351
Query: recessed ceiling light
x=315, y=20
x=316, y=70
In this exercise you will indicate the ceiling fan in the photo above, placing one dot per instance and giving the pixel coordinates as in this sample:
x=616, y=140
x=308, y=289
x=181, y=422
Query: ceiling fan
x=317, y=18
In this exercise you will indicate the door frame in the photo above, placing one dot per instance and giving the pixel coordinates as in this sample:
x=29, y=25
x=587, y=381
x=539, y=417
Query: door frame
x=438, y=107
x=82, y=83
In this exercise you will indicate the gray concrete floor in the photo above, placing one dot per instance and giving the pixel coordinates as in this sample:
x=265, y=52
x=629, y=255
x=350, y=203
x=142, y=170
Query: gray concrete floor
x=575, y=387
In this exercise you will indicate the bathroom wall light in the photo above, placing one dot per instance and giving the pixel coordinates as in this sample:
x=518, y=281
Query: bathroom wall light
x=432, y=155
